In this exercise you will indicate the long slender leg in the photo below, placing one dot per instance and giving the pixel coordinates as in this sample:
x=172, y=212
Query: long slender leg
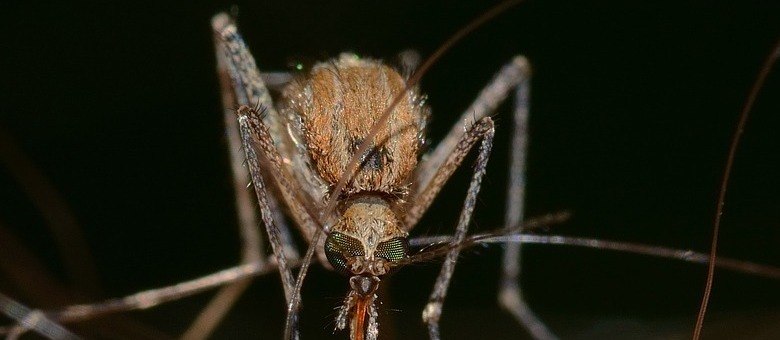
x=157, y=296
x=515, y=75
x=251, y=243
x=251, y=92
x=234, y=59
x=510, y=294
x=253, y=161
x=234, y=56
x=290, y=249
x=35, y=320
x=252, y=134
x=483, y=130
x=486, y=103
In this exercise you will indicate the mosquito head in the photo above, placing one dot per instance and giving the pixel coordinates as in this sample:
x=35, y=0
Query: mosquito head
x=348, y=255
x=365, y=244
x=367, y=239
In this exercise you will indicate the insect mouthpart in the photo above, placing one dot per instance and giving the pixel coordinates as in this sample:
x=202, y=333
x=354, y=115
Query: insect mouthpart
x=359, y=308
x=364, y=285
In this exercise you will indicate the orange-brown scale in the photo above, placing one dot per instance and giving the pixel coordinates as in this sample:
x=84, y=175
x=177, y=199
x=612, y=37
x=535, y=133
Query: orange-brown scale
x=341, y=101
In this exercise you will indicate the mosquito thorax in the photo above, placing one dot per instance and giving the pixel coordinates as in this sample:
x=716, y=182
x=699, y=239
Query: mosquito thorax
x=338, y=102
x=367, y=239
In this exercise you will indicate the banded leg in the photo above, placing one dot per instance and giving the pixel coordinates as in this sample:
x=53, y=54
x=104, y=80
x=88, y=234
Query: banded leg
x=483, y=130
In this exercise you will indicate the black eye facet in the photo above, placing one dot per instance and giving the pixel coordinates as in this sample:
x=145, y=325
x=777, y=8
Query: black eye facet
x=338, y=247
x=393, y=250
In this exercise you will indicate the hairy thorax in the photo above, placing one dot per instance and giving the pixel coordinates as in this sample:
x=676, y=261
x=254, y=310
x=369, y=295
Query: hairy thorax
x=336, y=107
x=338, y=104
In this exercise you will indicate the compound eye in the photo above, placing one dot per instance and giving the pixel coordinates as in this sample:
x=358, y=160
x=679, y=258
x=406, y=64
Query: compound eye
x=393, y=250
x=339, y=247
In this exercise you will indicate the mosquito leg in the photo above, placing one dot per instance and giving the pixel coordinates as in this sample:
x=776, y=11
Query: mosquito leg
x=515, y=75
x=155, y=297
x=483, y=129
x=510, y=295
x=251, y=244
x=252, y=249
x=247, y=214
x=258, y=122
x=486, y=103
x=250, y=126
x=255, y=129
x=249, y=139
x=252, y=95
x=28, y=319
x=290, y=249
x=255, y=134
x=234, y=59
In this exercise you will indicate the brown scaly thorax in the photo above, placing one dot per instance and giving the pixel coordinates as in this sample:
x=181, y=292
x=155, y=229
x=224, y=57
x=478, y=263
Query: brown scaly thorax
x=341, y=99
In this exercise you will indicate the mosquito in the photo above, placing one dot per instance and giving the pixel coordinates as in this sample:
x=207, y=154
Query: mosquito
x=326, y=195
x=342, y=150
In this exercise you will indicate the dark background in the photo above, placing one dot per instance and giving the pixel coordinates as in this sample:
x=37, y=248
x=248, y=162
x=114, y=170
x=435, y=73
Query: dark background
x=633, y=108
